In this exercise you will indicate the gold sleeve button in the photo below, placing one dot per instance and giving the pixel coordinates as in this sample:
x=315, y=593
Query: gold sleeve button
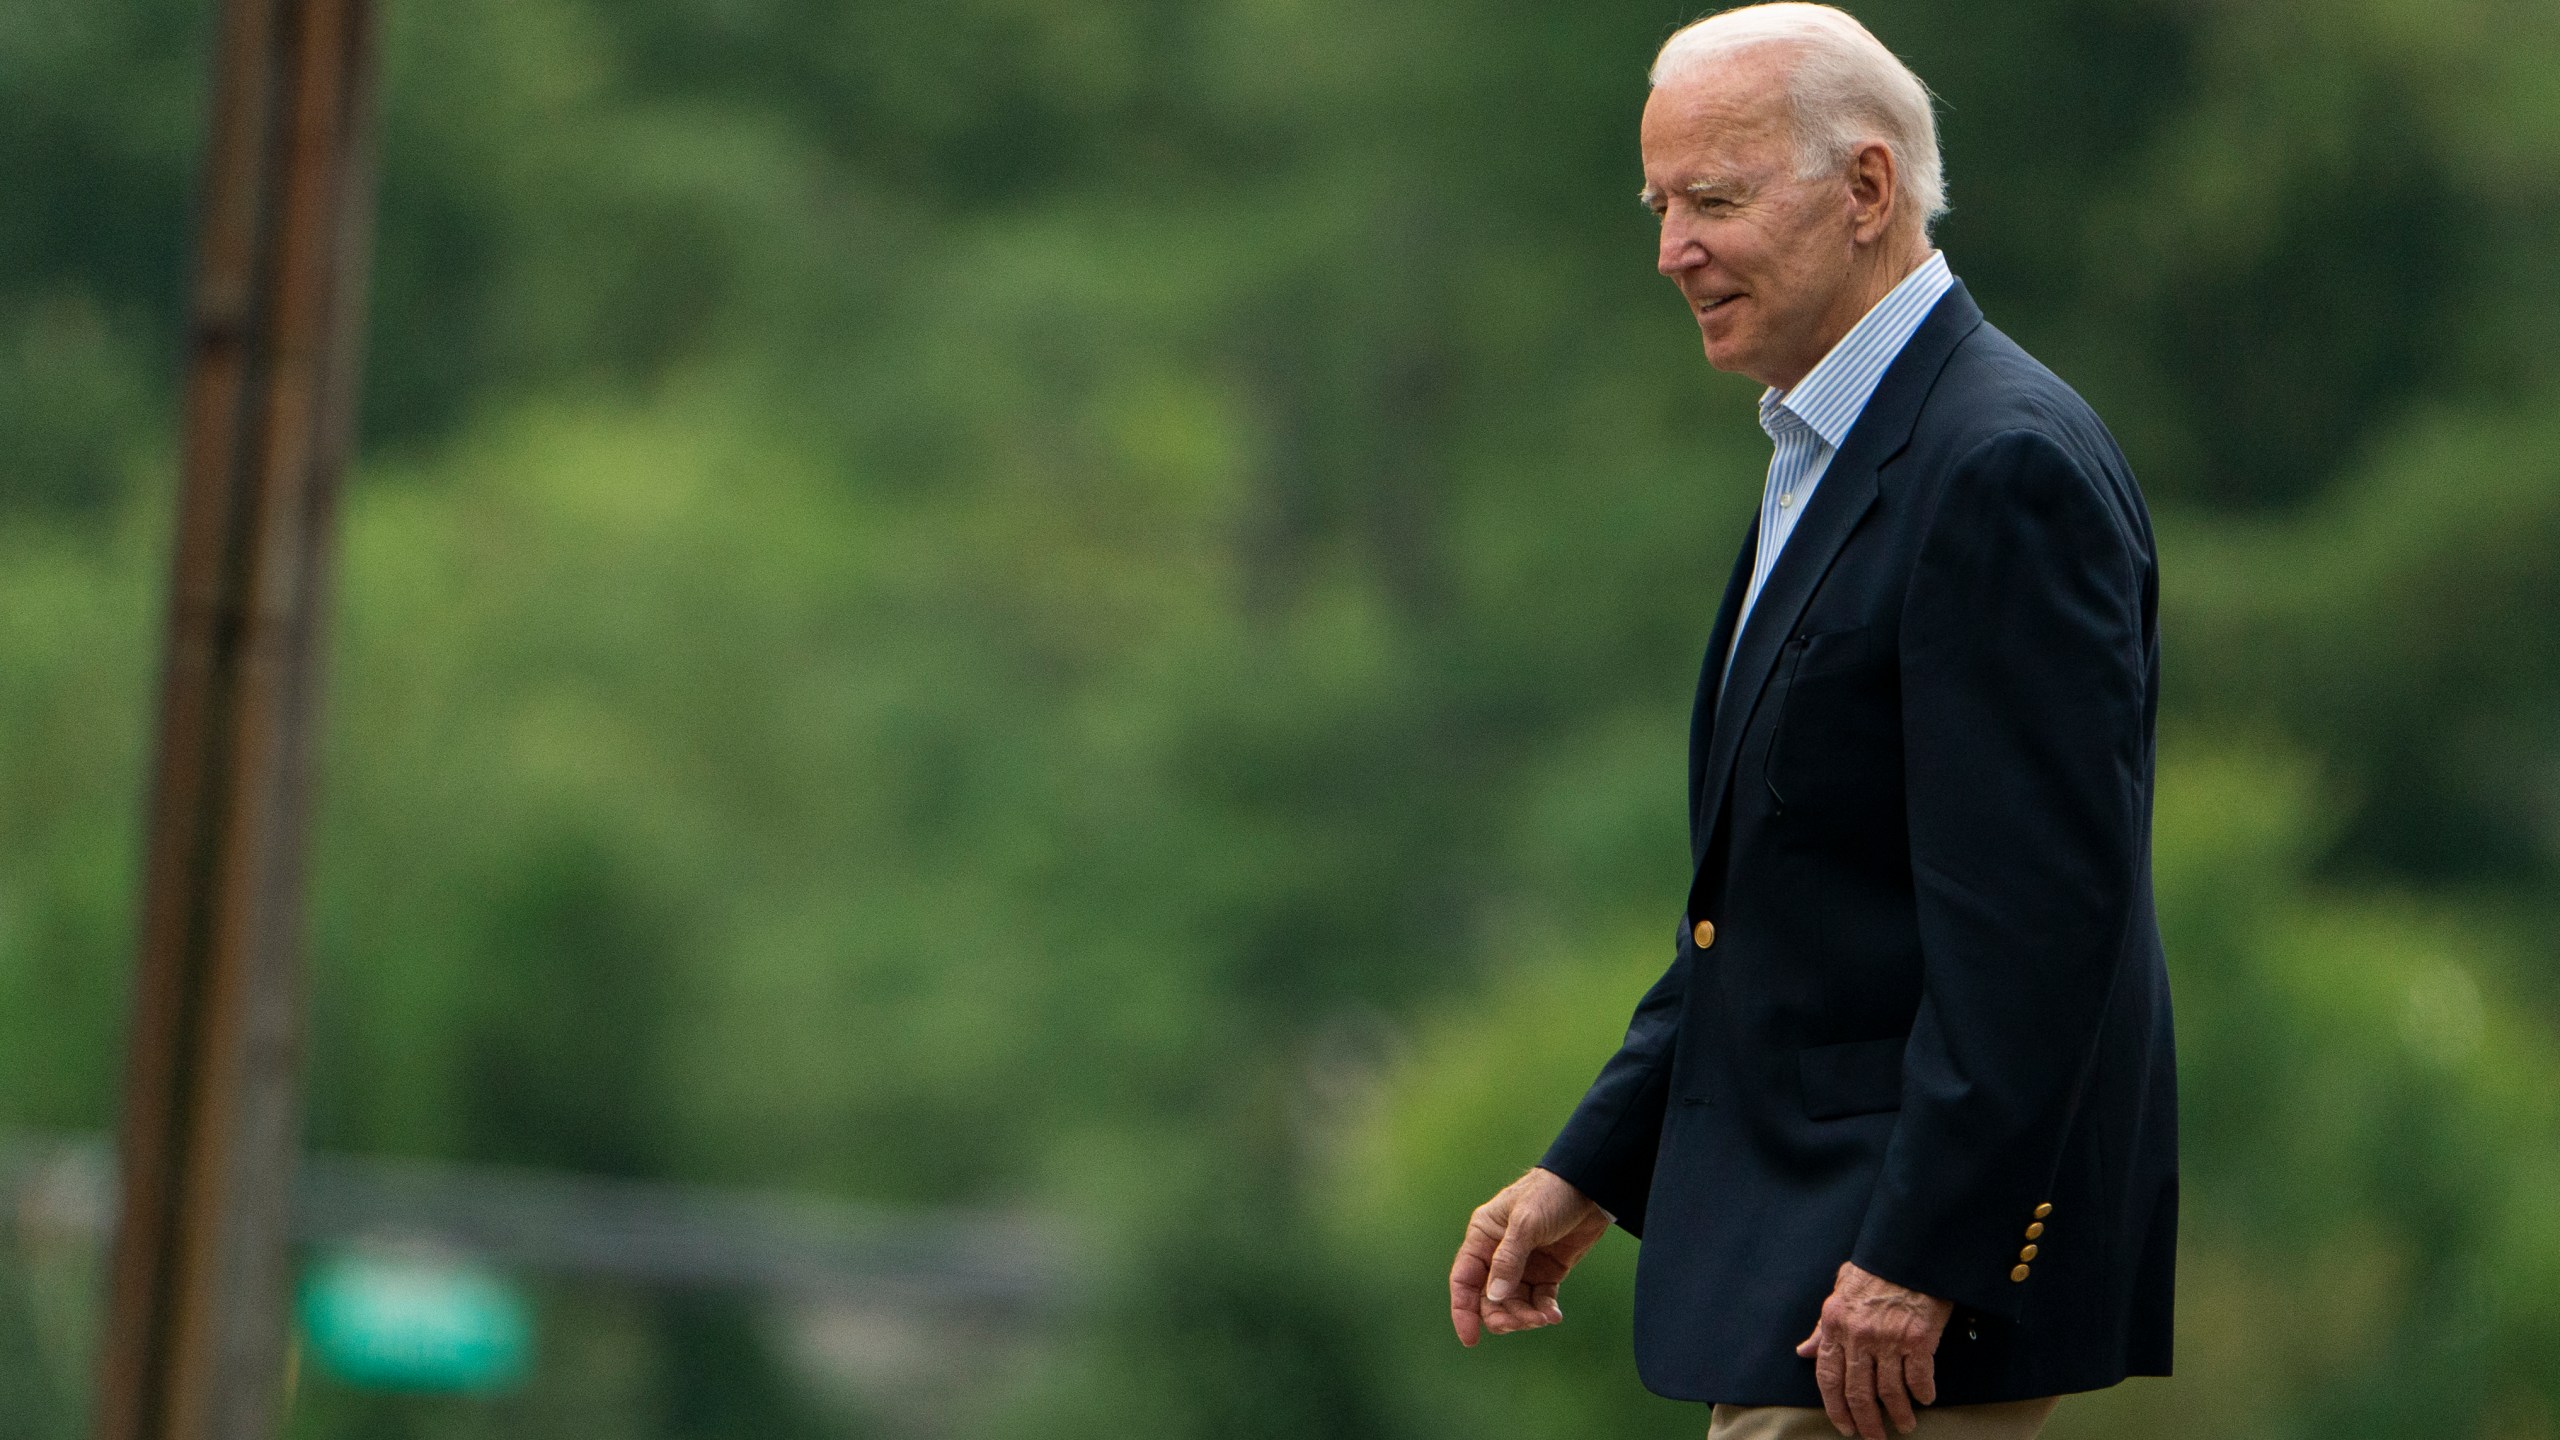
x=2035, y=1229
x=2028, y=1253
x=2018, y=1274
x=1705, y=934
x=2044, y=1209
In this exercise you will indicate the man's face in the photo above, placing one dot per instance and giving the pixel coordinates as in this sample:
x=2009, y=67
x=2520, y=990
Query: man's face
x=1763, y=258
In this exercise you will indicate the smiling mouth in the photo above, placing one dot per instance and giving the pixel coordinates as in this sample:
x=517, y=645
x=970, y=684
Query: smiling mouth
x=1709, y=306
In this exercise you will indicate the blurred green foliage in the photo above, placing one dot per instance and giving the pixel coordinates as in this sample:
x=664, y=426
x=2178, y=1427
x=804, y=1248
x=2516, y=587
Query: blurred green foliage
x=1092, y=605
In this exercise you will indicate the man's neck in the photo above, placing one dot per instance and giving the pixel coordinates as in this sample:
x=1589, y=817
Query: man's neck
x=1874, y=278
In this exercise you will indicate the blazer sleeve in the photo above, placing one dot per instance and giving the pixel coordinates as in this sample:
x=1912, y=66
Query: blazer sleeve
x=1607, y=1148
x=2024, y=665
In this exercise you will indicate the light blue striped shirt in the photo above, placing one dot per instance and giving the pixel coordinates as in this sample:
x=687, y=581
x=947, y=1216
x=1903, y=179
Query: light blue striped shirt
x=1809, y=423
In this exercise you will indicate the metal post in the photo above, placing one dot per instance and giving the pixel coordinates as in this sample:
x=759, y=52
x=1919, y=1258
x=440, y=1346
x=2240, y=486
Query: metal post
x=198, y=1306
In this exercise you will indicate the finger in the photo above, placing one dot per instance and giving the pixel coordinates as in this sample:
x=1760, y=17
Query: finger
x=1921, y=1372
x=1504, y=1316
x=1463, y=1317
x=1509, y=1259
x=1542, y=1298
x=1890, y=1394
x=1830, y=1371
x=1484, y=1231
x=1511, y=1320
x=1466, y=1284
x=1520, y=1312
x=1860, y=1386
x=1805, y=1346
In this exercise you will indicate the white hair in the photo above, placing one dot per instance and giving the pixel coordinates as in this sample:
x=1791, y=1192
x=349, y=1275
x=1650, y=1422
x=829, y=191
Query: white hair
x=1845, y=90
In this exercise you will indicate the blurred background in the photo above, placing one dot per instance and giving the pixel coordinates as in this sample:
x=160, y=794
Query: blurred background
x=1011, y=677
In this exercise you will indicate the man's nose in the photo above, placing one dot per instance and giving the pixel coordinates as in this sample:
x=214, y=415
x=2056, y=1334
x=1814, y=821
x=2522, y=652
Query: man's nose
x=1680, y=249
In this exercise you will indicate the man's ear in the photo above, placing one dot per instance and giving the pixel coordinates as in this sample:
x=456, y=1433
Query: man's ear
x=1873, y=191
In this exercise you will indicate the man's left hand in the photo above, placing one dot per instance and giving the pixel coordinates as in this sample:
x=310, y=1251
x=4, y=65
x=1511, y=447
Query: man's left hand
x=1875, y=1353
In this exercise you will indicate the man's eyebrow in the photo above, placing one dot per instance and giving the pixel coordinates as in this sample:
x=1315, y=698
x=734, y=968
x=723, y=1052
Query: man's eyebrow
x=1712, y=187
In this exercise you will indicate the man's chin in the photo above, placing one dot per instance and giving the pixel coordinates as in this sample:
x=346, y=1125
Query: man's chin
x=1725, y=355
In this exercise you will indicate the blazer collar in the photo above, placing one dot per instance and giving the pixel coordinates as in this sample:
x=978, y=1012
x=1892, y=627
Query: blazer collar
x=1848, y=488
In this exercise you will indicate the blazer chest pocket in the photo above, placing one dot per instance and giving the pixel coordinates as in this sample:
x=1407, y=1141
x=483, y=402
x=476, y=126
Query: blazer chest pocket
x=1836, y=650
x=1835, y=742
x=1857, y=1078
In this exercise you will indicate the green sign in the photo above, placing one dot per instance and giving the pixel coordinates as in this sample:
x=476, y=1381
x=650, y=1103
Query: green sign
x=401, y=1323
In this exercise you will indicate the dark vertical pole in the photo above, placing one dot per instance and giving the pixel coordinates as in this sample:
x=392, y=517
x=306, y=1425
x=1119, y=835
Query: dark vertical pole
x=198, y=1304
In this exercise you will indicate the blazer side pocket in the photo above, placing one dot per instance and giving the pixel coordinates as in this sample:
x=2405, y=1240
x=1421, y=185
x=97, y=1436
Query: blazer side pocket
x=1857, y=1078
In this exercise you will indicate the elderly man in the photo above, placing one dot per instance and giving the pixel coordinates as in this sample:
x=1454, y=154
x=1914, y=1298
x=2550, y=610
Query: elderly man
x=1897, y=1128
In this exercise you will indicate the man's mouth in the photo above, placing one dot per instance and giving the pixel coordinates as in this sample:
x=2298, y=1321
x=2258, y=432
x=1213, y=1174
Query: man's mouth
x=1718, y=303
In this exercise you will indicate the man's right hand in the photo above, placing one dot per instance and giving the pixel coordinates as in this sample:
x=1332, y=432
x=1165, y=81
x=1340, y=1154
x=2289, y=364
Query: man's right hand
x=1519, y=1245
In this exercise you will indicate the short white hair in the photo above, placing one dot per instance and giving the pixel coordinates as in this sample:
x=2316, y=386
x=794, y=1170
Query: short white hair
x=1845, y=90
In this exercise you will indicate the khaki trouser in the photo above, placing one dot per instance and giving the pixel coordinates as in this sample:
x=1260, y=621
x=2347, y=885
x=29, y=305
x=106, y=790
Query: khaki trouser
x=2014, y=1420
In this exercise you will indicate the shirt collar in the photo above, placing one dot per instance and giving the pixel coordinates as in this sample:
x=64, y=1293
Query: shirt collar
x=1829, y=399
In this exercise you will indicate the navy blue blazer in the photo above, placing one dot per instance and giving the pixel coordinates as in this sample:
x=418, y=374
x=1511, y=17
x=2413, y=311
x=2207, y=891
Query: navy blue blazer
x=1929, y=1027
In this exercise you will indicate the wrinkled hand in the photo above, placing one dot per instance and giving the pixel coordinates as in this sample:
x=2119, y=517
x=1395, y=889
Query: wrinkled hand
x=1874, y=1352
x=1519, y=1245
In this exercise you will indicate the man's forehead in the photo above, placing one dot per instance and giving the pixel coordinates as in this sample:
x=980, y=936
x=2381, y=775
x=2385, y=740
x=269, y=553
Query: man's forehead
x=1725, y=162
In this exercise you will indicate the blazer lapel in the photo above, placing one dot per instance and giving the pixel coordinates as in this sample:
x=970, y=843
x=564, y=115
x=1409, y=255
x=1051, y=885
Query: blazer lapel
x=1847, y=491
x=1702, y=713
